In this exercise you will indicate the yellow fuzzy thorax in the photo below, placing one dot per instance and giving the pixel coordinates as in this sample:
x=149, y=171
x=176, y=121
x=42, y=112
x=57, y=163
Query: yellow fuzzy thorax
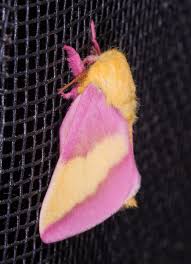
x=112, y=74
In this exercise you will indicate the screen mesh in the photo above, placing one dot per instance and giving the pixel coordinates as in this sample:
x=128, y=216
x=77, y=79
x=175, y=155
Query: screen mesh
x=156, y=35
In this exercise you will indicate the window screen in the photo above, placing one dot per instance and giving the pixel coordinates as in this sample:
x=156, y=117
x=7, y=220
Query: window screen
x=156, y=37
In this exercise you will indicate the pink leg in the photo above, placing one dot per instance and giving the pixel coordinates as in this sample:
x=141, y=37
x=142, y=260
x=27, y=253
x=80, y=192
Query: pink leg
x=70, y=95
x=96, y=46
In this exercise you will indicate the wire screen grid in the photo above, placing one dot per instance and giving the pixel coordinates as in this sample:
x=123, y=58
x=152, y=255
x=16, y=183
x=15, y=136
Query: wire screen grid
x=156, y=36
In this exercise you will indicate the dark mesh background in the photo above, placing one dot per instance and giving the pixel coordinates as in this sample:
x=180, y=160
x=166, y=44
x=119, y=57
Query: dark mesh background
x=156, y=35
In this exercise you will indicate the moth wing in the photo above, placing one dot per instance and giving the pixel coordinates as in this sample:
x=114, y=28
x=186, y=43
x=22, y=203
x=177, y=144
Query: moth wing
x=95, y=173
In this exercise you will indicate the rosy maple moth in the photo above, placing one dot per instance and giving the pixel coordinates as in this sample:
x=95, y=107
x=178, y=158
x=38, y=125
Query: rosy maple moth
x=96, y=171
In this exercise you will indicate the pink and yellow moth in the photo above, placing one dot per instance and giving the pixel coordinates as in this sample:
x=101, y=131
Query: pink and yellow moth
x=96, y=171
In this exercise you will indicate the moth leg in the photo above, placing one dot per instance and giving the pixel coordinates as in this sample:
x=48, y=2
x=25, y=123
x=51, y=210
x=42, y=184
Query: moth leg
x=96, y=48
x=75, y=63
x=70, y=95
x=130, y=203
x=67, y=92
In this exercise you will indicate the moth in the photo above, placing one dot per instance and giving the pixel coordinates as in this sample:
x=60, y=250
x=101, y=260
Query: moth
x=96, y=172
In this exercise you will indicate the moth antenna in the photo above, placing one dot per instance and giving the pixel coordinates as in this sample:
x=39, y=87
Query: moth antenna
x=94, y=40
x=75, y=63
